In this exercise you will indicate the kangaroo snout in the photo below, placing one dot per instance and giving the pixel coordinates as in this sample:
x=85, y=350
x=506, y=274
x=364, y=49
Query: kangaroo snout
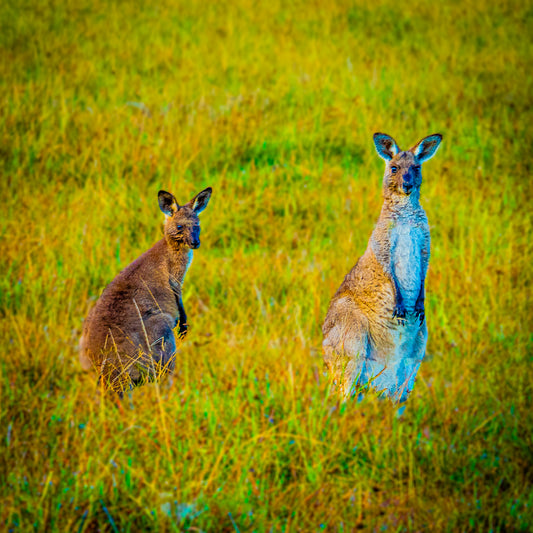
x=408, y=181
x=195, y=238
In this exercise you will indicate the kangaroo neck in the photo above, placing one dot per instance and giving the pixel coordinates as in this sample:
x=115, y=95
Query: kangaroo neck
x=401, y=205
x=179, y=258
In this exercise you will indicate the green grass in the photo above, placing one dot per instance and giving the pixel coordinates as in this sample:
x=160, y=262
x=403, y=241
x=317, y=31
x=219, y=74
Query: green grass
x=274, y=106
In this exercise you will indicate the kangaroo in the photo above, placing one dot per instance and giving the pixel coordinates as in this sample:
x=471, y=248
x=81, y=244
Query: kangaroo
x=128, y=335
x=375, y=331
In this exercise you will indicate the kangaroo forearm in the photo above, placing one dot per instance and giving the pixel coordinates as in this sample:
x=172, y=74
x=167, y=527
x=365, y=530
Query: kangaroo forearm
x=422, y=291
x=182, y=316
x=399, y=297
x=424, y=269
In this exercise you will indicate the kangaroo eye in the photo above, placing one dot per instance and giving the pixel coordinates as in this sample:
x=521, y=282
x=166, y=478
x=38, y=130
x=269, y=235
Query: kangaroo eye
x=394, y=169
x=179, y=227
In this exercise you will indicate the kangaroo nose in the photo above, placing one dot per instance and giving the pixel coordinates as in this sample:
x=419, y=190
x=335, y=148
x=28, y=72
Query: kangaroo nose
x=195, y=244
x=407, y=183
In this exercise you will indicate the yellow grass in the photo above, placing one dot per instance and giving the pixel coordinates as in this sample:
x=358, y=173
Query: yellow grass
x=273, y=104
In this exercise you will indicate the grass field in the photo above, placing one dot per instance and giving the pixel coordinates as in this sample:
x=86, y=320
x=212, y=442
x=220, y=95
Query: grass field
x=273, y=104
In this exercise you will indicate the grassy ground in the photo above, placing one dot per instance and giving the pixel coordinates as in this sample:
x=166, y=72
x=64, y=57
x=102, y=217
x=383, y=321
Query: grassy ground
x=273, y=105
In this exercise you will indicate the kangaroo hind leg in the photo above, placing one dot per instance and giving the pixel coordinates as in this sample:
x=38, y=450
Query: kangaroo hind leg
x=346, y=347
x=161, y=346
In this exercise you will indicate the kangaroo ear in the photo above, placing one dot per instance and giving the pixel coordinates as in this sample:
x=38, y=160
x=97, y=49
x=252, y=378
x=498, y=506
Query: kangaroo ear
x=200, y=201
x=167, y=203
x=427, y=147
x=386, y=146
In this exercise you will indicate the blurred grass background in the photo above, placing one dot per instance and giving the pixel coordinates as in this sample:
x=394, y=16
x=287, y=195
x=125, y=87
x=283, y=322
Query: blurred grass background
x=273, y=104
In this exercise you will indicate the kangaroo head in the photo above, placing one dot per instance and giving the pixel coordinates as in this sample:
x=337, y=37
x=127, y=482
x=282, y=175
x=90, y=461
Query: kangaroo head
x=182, y=225
x=403, y=175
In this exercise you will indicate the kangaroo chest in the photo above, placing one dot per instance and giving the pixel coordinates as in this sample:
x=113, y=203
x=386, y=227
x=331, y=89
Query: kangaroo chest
x=177, y=273
x=406, y=259
x=179, y=265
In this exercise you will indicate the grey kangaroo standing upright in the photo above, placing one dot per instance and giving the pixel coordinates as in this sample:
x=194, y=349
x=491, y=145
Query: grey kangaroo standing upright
x=128, y=335
x=375, y=331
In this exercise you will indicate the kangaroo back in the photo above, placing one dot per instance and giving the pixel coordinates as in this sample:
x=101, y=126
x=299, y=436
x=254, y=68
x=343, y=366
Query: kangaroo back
x=375, y=331
x=128, y=335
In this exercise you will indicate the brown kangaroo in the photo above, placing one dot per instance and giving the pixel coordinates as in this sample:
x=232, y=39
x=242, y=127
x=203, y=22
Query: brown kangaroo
x=375, y=331
x=128, y=335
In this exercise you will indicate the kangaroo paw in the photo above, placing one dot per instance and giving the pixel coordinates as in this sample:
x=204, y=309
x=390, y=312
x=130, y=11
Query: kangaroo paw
x=183, y=330
x=420, y=314
x=399, y=313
